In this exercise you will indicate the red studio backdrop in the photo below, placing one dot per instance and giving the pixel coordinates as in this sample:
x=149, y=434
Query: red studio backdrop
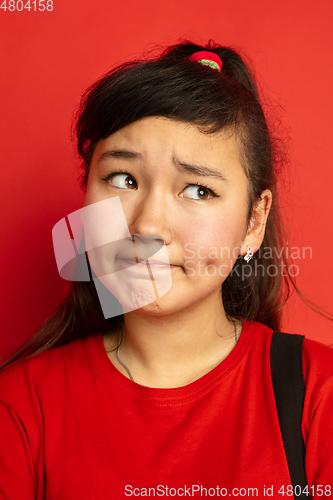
x=49, y=57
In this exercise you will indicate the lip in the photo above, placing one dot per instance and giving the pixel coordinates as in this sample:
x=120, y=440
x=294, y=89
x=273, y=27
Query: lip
x=144, y=264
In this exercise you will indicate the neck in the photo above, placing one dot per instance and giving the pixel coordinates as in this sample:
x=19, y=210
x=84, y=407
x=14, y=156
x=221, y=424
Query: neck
x=173, y=350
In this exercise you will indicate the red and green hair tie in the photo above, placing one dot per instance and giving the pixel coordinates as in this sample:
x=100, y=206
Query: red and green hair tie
x=208, y=58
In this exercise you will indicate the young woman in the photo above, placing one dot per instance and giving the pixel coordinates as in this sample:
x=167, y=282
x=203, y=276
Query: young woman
x=173, y=396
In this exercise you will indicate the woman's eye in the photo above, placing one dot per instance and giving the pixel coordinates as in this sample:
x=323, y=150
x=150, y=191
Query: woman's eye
x=198, y=192
x=122, y=181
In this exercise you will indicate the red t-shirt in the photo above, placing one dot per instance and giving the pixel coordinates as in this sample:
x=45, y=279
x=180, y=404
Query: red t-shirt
x=74, y=428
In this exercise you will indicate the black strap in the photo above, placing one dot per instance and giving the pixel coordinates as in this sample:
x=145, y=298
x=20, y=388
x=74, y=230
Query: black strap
x=289, y=391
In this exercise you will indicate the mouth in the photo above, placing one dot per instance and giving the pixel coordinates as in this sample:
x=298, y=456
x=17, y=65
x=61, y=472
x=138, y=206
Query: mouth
x=155, y=264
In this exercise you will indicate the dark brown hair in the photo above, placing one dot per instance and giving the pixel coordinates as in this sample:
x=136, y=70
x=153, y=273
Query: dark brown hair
x=175, y=87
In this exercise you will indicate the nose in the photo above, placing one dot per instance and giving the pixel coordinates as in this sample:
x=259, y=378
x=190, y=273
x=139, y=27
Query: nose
x=149, y=221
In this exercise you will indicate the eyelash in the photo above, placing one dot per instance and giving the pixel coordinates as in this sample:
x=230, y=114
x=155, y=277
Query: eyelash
x=110, y=175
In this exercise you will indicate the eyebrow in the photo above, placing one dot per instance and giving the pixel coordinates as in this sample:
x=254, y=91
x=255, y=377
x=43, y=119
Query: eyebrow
x=119, y=153
x=201, y=170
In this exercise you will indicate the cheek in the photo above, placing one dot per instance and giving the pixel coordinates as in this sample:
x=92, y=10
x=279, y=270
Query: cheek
x=213, y=246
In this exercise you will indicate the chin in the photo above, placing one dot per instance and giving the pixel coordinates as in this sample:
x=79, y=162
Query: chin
x=145, y=302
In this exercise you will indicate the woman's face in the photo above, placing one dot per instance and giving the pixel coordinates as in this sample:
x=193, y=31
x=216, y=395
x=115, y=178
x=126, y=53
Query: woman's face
x=179, y=186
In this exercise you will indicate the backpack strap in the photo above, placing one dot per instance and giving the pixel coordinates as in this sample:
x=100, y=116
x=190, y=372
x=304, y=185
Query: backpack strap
x=289, y=392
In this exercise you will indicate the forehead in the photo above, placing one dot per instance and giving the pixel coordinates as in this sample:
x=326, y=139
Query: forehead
x=164, y=139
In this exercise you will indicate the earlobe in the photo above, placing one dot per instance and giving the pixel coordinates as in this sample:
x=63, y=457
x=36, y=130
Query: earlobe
x=257, y=224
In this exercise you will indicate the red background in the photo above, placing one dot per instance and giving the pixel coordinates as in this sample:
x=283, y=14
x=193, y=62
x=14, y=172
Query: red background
x=49, y=58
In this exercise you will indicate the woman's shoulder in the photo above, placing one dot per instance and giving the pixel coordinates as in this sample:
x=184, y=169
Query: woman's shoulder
x=318, y=402
x=41, y=371
x=318, y=364
x=317, y=357
x=317, y=350
x=39, y=361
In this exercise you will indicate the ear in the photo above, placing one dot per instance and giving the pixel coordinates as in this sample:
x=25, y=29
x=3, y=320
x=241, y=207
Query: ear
x=257, y=224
